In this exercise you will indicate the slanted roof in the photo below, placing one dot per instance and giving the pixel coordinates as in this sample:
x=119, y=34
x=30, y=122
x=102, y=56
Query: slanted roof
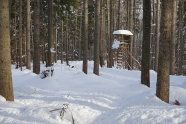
x=123, y=32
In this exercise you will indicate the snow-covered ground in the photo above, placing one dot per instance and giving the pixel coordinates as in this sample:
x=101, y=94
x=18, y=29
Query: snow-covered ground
x=114, y=97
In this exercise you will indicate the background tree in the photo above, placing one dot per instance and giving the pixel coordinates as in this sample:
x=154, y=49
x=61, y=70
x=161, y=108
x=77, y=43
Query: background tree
x=20, y=42
x=36, y=57
x=85, y=36
x=28, y=62
x=50, y=58
x=97, y=38
x=111, y=29
x=6, y=88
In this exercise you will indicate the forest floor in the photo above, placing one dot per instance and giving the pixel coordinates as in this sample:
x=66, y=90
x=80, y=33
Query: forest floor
x=114, y=97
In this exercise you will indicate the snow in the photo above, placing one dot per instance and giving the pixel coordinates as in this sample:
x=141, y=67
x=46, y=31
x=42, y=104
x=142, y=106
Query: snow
x=116, y=44
x=52, y=50
x=124, y=32
x=114, y=97
x=2, y=99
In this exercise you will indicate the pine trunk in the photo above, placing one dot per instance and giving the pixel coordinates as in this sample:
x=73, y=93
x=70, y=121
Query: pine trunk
x=111, y=29
x=157, y=32
x=85, y=37
x=102, y=30
x=36, y=58
x=131, y=27
x=145, y=63
x=108, y=33
x=28, y=57
x=97, y=38
x=173, y=51
x=162, y=88
x=20, y=35
x=6, y=88
x=50, y=59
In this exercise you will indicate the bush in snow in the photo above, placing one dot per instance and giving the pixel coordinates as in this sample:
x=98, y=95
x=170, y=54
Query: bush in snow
x=65, y=113
x=47, y=72
x=44, y=74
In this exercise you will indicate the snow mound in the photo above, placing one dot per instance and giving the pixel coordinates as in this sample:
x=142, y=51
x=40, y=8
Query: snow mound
x=114, y=97
x=2, y=99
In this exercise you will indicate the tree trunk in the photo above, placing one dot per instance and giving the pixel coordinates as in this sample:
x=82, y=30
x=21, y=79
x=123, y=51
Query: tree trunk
x=102, y=36
x=145, y=63
x=67, y=42
x=36, y=58
x=20, y=35
x=61, y=42
x=157, y=32
x=162, y=88
x=173, y=51
x=85, y=37
x=108, y=33
x=131, y=27
x=111, y=20
x=50, y=35
x=6, y=88
x=97, y=37
x=118, y=20
x=28, y=57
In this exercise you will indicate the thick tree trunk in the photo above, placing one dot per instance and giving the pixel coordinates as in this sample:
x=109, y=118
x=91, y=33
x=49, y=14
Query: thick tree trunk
x=36, y=58
x=85, y=37
x=6, y=88
x=28, y=57
x=145, y=63
x=162, y=88
x=97, y=38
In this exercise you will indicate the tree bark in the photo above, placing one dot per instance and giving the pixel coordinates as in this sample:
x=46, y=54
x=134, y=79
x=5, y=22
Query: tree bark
x=102, y=36
x=97, y=38
x=162, y=87
x=6, y=88
x=20, y=35
x=157, y=32
x=118, y=19
x=85, y=37
x=108, y=33
x=36, y=58
x=173, y=51
x=28, y=57
x=50, y=35
x=131, y=27
x=111, y=20
x=61, y=42
x=145, y=63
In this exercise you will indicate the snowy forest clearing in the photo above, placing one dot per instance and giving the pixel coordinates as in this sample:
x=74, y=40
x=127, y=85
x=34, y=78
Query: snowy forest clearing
x=114, y=97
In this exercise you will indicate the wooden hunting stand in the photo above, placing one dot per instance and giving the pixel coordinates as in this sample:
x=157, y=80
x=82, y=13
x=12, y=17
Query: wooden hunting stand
x=123, y=52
